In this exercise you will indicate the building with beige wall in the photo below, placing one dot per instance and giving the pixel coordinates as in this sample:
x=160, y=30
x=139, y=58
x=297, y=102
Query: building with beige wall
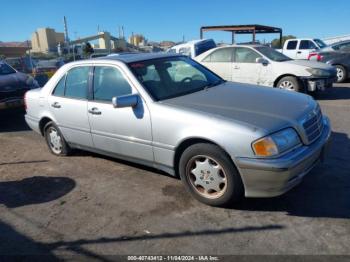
x=137, y=40
x=45, y=40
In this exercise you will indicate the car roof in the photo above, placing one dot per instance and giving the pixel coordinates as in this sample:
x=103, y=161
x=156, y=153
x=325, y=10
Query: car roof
x=130, y=58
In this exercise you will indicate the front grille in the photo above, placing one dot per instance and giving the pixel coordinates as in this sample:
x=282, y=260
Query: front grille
x=313, y=125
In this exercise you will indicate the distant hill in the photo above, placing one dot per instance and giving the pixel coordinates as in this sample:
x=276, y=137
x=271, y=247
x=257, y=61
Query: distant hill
x=14, y=44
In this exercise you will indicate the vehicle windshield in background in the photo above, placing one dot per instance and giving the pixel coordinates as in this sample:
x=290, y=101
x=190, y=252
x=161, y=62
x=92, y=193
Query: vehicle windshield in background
x=6, y=69
x=203, y=47
x=272, y=54
x=172, y=77
x=320, y=43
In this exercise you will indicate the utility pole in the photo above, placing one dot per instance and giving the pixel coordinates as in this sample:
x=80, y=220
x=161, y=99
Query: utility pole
x=66, y=37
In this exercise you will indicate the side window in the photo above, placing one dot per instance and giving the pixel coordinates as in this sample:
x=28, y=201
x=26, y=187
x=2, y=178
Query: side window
x=77, y=81
x=345, y=46
x=108, y=83
x=59, y=89
x=220, y=55
x=292, y=45
x=306, y=44
x=245, y=55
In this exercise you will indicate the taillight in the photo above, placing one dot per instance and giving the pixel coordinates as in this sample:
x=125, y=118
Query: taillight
x=25, y=101
x=314, y=56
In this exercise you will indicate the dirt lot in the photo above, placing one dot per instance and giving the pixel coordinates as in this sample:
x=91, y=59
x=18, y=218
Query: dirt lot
x=93, y=206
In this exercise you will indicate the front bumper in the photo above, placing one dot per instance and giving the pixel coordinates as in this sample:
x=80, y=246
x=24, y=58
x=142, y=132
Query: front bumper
x=318, y=84
x=273, y=177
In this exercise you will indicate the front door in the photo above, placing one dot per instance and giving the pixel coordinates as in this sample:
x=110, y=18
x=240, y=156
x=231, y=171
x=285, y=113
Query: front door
x=121, y=131
x=245, y=67
x=68, y=103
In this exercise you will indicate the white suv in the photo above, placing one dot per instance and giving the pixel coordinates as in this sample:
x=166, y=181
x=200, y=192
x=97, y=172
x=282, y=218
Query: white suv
x=262, y=65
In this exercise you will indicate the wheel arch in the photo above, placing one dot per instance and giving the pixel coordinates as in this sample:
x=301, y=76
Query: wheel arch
x=281, y=76
x=183, y=145
x=42, y=123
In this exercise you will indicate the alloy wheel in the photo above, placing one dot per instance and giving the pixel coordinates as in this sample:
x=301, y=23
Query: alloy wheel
x=206, y=176
x=55, y=140
x=287, y=85
x=340, y=74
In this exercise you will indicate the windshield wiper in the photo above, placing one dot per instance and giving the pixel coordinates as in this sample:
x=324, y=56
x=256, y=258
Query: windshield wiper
x=220, y=81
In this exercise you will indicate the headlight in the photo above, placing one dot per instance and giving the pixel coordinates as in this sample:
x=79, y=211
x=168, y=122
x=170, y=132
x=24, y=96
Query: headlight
x=318, y=72
x=276, y=143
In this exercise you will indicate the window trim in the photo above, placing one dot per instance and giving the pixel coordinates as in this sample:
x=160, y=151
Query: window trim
x=91, y=97
x=219, y=49
x=252, y=49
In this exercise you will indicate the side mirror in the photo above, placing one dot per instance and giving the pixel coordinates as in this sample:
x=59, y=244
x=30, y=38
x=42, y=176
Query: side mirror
x=125, y=101
x=263, y=61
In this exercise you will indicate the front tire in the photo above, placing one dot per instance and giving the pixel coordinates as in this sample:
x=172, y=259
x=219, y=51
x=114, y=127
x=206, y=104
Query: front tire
x=55, y=140
x=210, y=176
x=289, y=83
x=341, y=73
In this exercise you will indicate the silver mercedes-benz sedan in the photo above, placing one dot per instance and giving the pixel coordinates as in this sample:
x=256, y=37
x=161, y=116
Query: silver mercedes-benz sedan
x=225, y=140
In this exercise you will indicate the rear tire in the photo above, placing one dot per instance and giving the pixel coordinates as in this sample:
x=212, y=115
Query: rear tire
x=210, y=176
x=289, y=83
x=55, y=140
x=341, y=73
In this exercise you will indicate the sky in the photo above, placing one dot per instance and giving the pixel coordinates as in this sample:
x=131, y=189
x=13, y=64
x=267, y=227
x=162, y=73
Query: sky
x=172, y=20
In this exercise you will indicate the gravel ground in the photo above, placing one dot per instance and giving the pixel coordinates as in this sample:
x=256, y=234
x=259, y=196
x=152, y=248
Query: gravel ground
x=93, y=206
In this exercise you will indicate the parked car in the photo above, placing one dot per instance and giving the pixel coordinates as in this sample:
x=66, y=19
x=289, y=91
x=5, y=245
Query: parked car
x=13, y=86
x=22, y=64
x=301, y=48
x=225, y=140
x=343, y=46
x=340, y=60
x=262, y=65
x=193, y=48
x=45, y=69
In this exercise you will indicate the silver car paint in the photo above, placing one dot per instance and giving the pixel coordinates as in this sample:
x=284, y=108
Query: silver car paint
x=231, y=115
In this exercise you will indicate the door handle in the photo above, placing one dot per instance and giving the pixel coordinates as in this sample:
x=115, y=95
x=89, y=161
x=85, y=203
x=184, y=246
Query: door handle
x=94, y=111
x=56, y=105
x=299, y=52
x=236, y=67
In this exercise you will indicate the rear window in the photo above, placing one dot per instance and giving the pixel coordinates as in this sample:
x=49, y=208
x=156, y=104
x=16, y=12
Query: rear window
x=203, y=47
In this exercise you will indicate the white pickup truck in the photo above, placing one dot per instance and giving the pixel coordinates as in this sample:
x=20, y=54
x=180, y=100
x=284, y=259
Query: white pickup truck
x=301, y=48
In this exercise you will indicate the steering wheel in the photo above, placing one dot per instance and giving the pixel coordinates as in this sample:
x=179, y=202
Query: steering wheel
x=186, y=79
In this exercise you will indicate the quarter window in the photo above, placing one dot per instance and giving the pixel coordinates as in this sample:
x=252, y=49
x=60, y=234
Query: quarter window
x=220, y=55
x=77, y=82
x=245, y=55
x=108, y=83
x=292, y=45
x=59, y=89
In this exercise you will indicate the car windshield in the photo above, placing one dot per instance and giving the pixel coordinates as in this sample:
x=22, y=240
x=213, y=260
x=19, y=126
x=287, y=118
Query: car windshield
x=6, y=69
x=320, y=43
x=173, y=76
x=272, y=54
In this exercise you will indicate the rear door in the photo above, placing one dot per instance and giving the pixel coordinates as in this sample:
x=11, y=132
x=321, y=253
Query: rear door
x=305, y=48
x=122, y=131
x=291, y=49
x=220, y=62
x=68, y=103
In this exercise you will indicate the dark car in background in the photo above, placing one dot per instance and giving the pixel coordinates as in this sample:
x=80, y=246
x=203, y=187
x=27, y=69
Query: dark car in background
x=13, y=86
x=343, y=46
x=339, y=59
x=45, y=69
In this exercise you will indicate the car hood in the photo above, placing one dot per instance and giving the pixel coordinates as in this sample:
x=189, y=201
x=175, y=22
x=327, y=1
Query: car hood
x=307, y=63
x=261, y=107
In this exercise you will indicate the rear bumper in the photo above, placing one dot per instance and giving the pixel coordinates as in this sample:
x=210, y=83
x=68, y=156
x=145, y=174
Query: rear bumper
x=32, y=123
x=273, y=177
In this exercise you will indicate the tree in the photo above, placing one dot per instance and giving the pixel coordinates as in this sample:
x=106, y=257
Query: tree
x=276, y=42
